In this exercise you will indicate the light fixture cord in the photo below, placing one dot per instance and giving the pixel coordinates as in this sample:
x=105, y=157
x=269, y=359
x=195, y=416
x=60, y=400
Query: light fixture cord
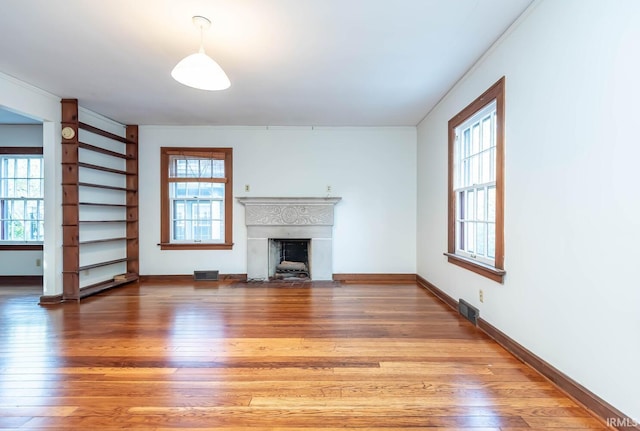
x=201, y=39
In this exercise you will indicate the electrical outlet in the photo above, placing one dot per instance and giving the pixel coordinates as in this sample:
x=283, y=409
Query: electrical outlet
x=328, y=188
x=38, y=262
x=246, y=187
x=481, y=295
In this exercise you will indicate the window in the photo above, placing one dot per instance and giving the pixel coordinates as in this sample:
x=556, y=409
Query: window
x=476, y=185
x=21, y=196
x=196, y=198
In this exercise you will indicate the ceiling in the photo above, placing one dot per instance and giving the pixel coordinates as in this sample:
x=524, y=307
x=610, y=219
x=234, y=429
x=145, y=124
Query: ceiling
x=290, y=62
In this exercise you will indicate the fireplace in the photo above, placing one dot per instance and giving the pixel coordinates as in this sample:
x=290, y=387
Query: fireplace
x=272, y=221
x=289, y=259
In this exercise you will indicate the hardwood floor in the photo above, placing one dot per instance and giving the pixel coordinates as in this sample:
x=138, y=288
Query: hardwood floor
x=209, y=356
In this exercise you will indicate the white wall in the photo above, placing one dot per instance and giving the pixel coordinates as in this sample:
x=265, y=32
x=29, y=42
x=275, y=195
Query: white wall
x=572, y=229
x=22, y=262
x=20, y=135
x=33, y=102
x=372, y=169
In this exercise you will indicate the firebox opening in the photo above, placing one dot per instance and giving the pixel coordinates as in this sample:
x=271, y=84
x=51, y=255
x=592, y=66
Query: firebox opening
x=289, y=259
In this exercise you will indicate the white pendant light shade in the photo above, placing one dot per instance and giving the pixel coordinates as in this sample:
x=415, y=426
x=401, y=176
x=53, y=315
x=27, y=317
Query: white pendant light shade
x=200, y=71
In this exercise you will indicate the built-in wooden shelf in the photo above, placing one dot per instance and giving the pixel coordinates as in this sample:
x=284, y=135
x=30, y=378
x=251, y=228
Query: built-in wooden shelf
x=103, y=151
x=106, y=221
x=101, y=264
x=97, y=131
x=102, y=168
x=102, y=204
x=100, y=186
x=71, y=220
x=98, y=241
x=108, y=284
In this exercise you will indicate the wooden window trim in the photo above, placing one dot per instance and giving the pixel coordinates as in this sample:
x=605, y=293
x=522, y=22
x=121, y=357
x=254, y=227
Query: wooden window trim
x=495, y=272
x=165, y=222
x=22, y=247
x=21, y=150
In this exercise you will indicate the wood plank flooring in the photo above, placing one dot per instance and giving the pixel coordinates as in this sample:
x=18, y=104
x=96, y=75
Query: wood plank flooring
x=160, y=356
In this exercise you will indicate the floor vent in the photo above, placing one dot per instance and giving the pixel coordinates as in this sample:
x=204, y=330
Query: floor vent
x=469, y=312
x=205, y=275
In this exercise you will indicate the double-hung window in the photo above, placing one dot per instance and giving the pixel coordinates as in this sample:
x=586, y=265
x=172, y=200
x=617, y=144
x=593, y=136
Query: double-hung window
x=476, y=185
x=21, y=198
x=196, y=198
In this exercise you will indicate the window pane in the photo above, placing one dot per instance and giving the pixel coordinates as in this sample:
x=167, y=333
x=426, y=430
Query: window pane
x=491, y=241
x=35, y=170
x=15, y=231
x=460, y=238
x=461, y=205
x=21, y=168
x=481, y=237
x=10, y=189
x=466, y=179
x=486, y=167
x=180, y=168
x=35, y=188
x=15, y=209
x=205, y=168
x=193, y=169
x=466, y=143
x=481, y=203
x=179, y=210
x=475, y=139
x=216, y=210
x=21, y=188
x=475, y=170
x=206, y=190
x=471, y=237
x=470, y=204
x=486, y=133
x=11, y=167
x=178, y=190
x=31, y=209
x=218, y=169
x=491, y=204
x=192, y=190
x=179, y=230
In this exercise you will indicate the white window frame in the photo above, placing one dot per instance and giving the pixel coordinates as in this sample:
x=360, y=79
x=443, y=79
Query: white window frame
x=6, y=196
x=469, y=218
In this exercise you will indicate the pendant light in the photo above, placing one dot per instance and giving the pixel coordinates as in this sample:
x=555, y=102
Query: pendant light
x=199, y=70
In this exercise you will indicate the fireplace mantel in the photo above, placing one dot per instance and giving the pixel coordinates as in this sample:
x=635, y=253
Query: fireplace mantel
x=288, y=211
x=289, y=218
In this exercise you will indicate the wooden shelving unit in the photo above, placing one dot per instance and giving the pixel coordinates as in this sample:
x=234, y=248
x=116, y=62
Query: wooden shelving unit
x=72, y=206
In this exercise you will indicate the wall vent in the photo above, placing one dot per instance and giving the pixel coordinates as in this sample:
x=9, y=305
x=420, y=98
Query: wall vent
x=469, y=312
x=205, y=275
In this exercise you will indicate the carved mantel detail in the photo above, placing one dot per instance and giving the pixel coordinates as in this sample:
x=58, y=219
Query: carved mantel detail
x=288, y=211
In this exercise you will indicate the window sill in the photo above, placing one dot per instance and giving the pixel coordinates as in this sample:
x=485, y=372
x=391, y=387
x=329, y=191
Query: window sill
x=20, y=246
x=195, y=246
x=483, y=269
